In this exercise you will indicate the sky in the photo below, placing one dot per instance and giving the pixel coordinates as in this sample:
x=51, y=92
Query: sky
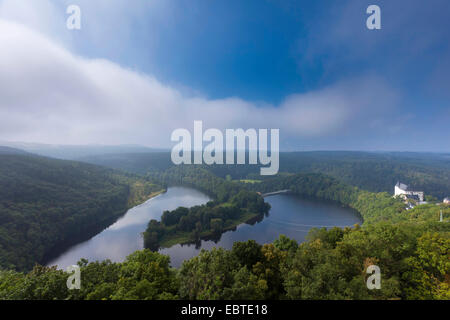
x=138, y=70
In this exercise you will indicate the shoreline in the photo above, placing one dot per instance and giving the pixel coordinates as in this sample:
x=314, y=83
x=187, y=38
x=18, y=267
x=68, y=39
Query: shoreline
x=183, y=238
x=66, y=244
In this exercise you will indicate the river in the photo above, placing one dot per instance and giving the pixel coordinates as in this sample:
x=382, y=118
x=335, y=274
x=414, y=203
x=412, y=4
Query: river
x=290, y=215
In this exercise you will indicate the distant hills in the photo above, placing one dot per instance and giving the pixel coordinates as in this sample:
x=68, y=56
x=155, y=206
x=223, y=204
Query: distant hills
x=75, y=152
x=9, y=150
x=372, y=171
x=47, y=202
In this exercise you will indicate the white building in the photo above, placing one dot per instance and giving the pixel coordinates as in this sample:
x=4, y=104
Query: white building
x=402, y=190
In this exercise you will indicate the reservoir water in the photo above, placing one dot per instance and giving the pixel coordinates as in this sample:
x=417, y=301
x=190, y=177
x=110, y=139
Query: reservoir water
x=290, y=215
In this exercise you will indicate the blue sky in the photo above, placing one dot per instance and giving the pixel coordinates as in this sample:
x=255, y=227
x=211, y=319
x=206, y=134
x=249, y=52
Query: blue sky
x=265, y=50
x=345, y=86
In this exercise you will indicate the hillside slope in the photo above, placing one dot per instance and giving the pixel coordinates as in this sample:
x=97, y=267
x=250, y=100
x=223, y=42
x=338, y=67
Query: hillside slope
x=9, y=150
x=47, y=203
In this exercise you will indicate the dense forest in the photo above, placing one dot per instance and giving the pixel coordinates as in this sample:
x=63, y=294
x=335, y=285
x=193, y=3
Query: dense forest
x=373, y=207
x=371, y=171
x=413, y=258
x=232, y=205
x=42, y=201
x=47, y=204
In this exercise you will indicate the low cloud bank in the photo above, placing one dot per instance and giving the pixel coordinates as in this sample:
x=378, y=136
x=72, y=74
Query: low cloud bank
x=52, y=96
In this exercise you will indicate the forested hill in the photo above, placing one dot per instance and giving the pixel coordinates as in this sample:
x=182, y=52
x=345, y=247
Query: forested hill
x=47, y=202
x=9, y=150
x=377, y=172
x=371, y=171
x=410, y=247
x=140, y=163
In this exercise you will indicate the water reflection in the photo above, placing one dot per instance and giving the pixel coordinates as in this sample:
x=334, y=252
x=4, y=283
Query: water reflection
x=124, y=236
x=290, y=215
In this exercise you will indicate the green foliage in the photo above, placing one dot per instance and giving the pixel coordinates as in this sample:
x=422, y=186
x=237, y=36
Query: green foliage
x=47, y=202
x=332, y=264
x=371, y=171
x=208, y=276
x=247, y=253
x=222, y=274
x=373, y=207
x=429, y=274
x=41, y=206
x=232, y=205
x=374, y=172
x=143, y=275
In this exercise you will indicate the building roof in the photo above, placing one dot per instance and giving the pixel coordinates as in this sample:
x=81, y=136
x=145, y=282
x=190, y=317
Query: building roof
x=401, y=186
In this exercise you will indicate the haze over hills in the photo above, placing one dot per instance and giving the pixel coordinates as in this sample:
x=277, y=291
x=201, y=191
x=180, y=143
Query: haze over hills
x=372, y=171
x=74, y=152
x=9, y=150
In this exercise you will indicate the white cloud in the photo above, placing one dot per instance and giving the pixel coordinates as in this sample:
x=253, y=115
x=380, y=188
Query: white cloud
x=41, y=16
x=50, y=95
